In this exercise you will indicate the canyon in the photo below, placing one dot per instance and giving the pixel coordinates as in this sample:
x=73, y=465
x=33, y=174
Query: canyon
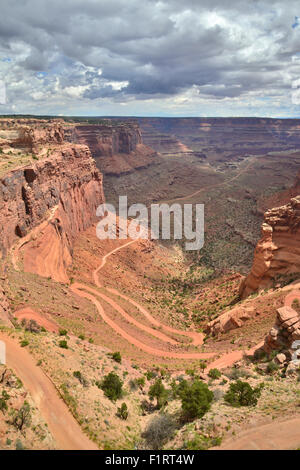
x=161, y=307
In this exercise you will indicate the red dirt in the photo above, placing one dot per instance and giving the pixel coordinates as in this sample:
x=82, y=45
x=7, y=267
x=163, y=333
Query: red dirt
x=87, y=292
x=30, y=314
x=64, y=428
x=283, y=435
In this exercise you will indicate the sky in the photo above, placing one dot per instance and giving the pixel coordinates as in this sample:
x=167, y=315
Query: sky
x=150, y=58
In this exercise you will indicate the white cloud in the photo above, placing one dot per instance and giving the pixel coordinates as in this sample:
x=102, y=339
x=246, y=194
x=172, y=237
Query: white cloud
x=167, y=57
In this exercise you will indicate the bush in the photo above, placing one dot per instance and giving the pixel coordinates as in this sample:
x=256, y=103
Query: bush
x=63, y=332
x=80, y=377
x=242, y=394
x=22, y=417
x=272, y=367
x=19, y=445
x=112, y=386
x=116, y=356
x=24, y=343
x=30, y=325
x=123, y=411
x=63, y=344
x=140, y=382
x=147, y=407
x=214, y=374
x=150, y=375
x=158, y=391
x=3, y=405
x=159, y=431
x=235, y=374
x=195, y=400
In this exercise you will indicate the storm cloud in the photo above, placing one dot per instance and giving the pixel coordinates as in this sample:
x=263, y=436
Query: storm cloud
x=150, y=57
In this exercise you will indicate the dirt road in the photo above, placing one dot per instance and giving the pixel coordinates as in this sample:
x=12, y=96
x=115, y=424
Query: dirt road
x=280, y=435
x=63, y=427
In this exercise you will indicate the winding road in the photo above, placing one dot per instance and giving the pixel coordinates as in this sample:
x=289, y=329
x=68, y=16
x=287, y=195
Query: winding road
x=197, y=338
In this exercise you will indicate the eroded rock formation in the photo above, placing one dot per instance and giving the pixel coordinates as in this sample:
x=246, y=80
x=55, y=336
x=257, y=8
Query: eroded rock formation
x=33, y=137
x=277, y=253
x=234, y=318
x=117, y=148
x=44, y=205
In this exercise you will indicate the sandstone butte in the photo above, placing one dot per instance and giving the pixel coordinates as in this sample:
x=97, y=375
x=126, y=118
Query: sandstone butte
x=277, y=253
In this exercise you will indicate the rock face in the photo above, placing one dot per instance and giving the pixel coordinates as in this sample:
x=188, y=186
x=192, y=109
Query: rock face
x=230, y=320
x=4, y=309
x=44, y=205
x=278, y=251
x=34, y=137
x=117, y=148
x=284, y=333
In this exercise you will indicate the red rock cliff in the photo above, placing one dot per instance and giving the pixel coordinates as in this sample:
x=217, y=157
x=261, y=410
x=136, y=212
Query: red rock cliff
x=117, y=148
x=44, y=205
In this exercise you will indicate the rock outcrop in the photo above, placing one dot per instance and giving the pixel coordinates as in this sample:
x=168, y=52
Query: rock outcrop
x=285, y=334
x=44, y=205
x=277, y=253
x=234, y=318
x=4, y=308
x=40, y=135
x=285, y=331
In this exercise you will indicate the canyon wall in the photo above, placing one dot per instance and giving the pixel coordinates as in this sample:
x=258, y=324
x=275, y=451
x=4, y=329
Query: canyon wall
x=44, y=205
x=33, y=137
x=116, y=147
x=277, y=253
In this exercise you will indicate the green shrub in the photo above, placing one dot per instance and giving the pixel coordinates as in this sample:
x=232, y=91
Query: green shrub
x=63, y=344
x=80, y=377
x=116, y=356
x=214, y=374
x=19, y=445
x=24, y=343
x=3, y=405
x=22, y=417
x=150, y=375
x=140, y=382
x=200, y=442
x=112, y=386
x=242, y=394
x=272, y=367
x=63, y=332
x=123, y=411
x=158, y=391
x=195, y=400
